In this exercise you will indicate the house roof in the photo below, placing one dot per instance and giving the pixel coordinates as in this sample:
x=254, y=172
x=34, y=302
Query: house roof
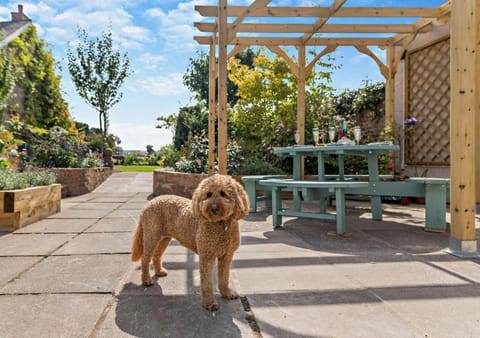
x=9, y=30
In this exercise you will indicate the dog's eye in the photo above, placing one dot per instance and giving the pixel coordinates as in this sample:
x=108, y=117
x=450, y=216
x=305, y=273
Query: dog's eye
x=222, y=193
x=209, y=194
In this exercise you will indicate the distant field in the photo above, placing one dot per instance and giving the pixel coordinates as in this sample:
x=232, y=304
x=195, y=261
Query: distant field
x=137, y=168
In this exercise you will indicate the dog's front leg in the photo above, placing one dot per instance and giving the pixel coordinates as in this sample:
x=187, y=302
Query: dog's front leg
x=206, y=266
x=224, y=276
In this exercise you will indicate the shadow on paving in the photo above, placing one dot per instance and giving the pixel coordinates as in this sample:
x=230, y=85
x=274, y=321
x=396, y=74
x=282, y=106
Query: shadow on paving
x=156, y=315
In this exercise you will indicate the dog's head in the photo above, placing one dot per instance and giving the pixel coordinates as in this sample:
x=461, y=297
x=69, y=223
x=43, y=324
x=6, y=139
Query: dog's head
x=218, y=198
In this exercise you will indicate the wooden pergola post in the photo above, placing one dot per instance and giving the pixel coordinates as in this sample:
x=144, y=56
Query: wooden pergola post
x=301, y=93
x=464, y=74
x=222, y=86
x=390, y=87
x=477, y=121
x=212, y=109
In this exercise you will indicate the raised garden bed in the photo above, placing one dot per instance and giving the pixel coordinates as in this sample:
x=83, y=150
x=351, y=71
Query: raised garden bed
x=175, y=183
x=19, y=208
x=79, y=181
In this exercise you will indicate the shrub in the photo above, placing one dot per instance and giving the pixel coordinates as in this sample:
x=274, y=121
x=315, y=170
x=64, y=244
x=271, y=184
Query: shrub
x=196, y=161
x=11, y=180
x=167, y=156
x=256, y=166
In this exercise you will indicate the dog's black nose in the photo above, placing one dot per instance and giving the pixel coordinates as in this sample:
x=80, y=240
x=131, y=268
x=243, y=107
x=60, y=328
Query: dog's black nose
x=215, y=209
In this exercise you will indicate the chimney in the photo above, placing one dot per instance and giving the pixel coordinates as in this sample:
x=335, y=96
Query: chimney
x=19, y=16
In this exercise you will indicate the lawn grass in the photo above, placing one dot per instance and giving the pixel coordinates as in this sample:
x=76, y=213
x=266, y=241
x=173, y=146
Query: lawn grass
x=137, y=168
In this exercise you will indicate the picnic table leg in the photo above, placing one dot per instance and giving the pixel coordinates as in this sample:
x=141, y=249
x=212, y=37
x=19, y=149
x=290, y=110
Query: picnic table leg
x=276, y=206
x=376, y=205
x=340, y=210
x=297, y=199
x=268, y=198
x=435, y=207
x=251, y=190
x=375, y=201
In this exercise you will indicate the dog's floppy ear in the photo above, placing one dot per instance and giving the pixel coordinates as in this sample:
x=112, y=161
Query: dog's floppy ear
x=196, y=201
x=241, y=199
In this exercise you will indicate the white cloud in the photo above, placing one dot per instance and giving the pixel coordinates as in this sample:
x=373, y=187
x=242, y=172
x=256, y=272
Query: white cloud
x=151, y=61
x=138, y=136
x=176, y=25
x=164, y=85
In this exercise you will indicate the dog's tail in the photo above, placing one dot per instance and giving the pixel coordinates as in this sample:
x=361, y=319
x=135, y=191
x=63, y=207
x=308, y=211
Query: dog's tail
x=137, y=245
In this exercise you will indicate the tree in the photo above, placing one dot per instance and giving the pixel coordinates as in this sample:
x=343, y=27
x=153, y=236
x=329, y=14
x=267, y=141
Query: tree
x=265, y=113
x=98, y=71
x=7, y=78
x=196, y=77
x=40, y=101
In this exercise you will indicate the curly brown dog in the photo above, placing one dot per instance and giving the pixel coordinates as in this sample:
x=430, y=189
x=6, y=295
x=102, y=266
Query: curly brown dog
x=207, y=224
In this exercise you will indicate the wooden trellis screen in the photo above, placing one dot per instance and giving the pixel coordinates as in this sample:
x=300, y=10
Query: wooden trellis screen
x=428, y=100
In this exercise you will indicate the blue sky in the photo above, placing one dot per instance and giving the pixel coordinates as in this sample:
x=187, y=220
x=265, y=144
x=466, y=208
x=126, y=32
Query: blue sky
x=158, y=36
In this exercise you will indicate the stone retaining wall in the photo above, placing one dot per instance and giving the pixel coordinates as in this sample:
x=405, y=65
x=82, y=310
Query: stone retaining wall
x=170, y=182
x=79, y=181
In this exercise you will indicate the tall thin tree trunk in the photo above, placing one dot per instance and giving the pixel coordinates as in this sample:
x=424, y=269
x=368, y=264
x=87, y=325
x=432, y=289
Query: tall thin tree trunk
x=102, y=144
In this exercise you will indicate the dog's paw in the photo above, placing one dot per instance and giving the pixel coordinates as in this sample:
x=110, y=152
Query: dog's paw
x=211, y=306
x=161, y=273
x=147, y=281
x=229, y=294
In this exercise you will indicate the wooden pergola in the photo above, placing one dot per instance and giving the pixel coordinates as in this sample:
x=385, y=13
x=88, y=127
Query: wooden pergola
x=274, y=26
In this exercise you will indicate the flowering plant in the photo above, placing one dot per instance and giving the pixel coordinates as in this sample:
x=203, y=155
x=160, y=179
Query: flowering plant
x=409, y=125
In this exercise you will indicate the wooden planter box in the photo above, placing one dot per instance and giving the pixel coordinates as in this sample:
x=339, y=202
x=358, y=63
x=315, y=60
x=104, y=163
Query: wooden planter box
x=19, y=208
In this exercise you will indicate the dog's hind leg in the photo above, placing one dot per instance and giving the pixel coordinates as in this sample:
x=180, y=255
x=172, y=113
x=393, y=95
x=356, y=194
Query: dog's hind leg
x=148, y=248
x=157, y=257
x=224, y=276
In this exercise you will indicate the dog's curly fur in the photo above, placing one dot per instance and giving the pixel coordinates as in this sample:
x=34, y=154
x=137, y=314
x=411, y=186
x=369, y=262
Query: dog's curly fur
x=207, y=224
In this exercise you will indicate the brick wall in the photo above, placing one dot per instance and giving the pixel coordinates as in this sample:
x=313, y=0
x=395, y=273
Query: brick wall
x=79, y=181
x=170, y=182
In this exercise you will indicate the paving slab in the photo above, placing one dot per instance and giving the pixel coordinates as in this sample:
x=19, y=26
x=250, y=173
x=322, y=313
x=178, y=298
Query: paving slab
x=48, y=315
x=341, y=313
x=97, y=243
x=142, y=196
x=173, y=316
x=440, y=311
x=109, y=206
x=81, y=213
x=11, y=267
x=113, y=225
x=58, y=225
x=71, y=274
x=132, y=214
x=111, y=199
x=133, y=205
x=183, y=277
x=32, y=244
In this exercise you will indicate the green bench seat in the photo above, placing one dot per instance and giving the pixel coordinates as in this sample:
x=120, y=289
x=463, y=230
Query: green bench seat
x=253, y=186
x=310, y=190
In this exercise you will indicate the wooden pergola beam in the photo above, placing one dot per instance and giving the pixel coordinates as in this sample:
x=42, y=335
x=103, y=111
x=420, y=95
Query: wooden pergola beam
x=255, y=5
x=337, y=4
x=280, y=52
x=264, y=41
x=308, y=28
x=383, y=68
x=344, y=12
x=325, y=51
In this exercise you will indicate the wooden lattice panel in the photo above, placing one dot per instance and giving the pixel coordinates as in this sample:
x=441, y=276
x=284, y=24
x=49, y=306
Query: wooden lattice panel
x=428, y=100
